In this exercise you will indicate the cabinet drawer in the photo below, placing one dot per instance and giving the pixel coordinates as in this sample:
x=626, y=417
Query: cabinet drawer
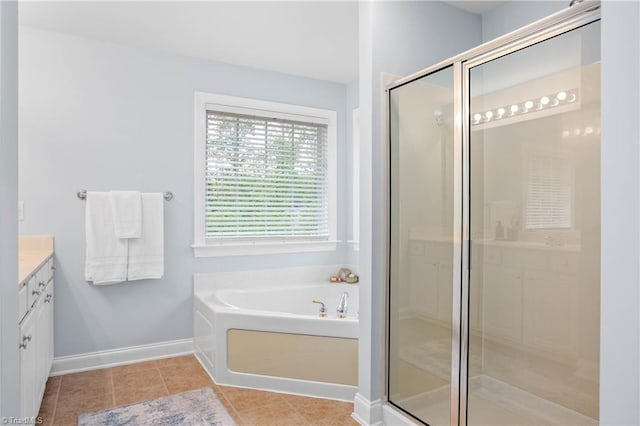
x=43, y=277
x=23, y=302
x=523, y=258
x=49, y=267
x=564, y=263
x=32, y=290
x=492, y=255
x=439, y=251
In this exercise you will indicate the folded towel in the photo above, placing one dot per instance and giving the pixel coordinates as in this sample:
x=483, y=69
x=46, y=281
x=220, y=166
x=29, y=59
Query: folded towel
x=146, y=254
x=126, y=208
x=106, y=254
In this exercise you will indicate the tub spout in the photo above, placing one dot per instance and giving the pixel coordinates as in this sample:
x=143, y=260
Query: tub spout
x=342, y=306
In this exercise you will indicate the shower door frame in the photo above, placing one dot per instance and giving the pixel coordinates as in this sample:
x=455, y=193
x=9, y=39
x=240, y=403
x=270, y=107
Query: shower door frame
x=554, y=25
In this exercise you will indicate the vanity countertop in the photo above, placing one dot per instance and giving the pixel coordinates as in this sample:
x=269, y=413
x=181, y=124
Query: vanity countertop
x=33, y=252
x=521, y=244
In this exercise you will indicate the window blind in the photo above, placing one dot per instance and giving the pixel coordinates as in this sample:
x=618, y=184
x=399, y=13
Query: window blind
x=265, y=178
x=548, y=203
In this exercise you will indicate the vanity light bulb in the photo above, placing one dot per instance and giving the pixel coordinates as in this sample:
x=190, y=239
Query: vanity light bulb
x=572, y=98
x=528, y=105
x=577, y=132
x=488, y=115
x=561, y=96
x=544, y=100
x=477, y=117
x=588, y=130
x=565, y=134
x=514, y=108
x=501, y=112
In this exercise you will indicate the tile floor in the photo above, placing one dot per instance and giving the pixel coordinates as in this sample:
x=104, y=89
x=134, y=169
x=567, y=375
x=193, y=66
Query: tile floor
x=68, y=396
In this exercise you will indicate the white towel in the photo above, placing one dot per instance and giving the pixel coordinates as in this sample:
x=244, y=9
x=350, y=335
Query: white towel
x=126, y=208
x=106, y=254
x=146, y=254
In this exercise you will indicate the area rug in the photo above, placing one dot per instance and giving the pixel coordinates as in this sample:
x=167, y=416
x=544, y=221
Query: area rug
x=197, y=407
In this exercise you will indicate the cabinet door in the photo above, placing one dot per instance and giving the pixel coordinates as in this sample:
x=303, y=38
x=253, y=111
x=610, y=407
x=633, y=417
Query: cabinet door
x=475, y=300
x=503, y=302
x=41, y=343
x=28, y=371
x=550, y=313
x=445, y=292
x=49, y=295
x=423, y=276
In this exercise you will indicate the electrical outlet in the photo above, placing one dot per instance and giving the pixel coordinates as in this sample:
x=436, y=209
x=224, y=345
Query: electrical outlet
x=20, y=210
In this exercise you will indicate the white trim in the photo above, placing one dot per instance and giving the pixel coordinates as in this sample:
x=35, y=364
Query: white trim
x=391, y=416
x=121, y=356
x=270, y=109
x=253, y=247
x=355, y=176
x=368, y=413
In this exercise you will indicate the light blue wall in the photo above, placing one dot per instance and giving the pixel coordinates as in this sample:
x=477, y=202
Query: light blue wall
x=100, y=116
x=515, y=14
x=352, y=103
x=9, y=356
x=620, y=277
x=405, y=37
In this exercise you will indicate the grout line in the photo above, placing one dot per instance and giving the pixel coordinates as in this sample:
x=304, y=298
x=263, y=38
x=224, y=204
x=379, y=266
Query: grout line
x=230, y=405
x=295, y=410
x=55, y=402
x=113, y=387
x=162, y=378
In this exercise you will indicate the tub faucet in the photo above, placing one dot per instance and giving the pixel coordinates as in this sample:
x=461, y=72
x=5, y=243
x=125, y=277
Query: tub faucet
x=323, y=309
x=342, y=306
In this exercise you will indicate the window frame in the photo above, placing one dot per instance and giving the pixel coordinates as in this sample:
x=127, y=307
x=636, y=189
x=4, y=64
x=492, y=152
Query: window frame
x=211, y=247
x=530, y=152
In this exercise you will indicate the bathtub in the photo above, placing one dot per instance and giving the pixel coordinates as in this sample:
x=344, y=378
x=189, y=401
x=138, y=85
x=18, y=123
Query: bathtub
x=273, y=338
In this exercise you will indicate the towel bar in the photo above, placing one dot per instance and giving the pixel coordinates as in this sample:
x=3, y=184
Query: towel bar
x=82, y=194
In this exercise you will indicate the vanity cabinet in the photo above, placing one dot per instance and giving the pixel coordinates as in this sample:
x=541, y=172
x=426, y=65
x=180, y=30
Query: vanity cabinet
x=528, y=296
x=430, y=275
x=520, y=294
x=36, y=337
x=28, y=371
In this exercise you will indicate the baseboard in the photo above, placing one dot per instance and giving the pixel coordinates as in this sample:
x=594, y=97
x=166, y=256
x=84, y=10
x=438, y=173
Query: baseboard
x=367, y=413
x=111, y=358
x=391, y=416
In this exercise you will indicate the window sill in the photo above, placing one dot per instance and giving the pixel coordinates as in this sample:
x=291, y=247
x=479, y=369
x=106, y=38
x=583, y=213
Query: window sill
x=253, y=248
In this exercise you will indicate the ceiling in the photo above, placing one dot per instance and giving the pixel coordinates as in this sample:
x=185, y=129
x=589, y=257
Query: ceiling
x=314, y=39
x=477, y=6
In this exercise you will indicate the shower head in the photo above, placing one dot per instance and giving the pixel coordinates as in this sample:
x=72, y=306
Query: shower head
x=438, y=116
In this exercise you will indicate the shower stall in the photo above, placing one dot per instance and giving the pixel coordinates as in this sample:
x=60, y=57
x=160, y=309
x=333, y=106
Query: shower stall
x=494, y=231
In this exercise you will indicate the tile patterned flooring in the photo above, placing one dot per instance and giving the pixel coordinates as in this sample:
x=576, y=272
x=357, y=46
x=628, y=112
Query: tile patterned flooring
x=68, y=396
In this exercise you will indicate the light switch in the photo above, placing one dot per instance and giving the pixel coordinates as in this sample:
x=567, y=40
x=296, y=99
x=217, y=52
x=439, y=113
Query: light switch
x=20, y=210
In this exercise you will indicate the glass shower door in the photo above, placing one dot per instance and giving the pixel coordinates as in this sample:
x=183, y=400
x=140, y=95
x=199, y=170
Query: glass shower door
x=534, y=127
x=421, y=261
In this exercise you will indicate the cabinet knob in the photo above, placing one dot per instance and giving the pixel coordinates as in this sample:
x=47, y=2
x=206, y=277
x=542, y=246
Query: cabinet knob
x=53, y=267
x=34, y=292
x=22, y=346
x=41, y=284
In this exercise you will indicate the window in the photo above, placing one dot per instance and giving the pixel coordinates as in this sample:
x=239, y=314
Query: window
x=548, y=192
x=265, y=177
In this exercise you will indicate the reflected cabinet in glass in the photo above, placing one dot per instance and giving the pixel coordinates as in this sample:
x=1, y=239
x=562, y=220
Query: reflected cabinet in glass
x=535, y=225
x=421, y=265
x=494, y=284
